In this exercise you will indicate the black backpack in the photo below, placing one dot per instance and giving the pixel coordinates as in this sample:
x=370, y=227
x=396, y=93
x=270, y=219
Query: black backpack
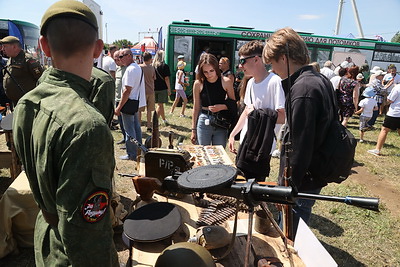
x=335, y=157
x=333, y=161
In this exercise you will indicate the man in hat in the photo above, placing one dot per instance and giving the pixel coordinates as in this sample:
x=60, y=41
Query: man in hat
x=66, y=146
x=22, y=70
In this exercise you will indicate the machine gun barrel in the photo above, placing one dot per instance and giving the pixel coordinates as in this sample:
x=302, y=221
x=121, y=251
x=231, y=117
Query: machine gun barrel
x=362, y=202
x=253, y=192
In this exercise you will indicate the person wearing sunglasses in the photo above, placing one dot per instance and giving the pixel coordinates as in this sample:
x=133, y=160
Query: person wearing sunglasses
x=212, y=94
x=263, y=90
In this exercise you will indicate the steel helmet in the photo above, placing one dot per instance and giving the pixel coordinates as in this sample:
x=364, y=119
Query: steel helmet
x=185, y=254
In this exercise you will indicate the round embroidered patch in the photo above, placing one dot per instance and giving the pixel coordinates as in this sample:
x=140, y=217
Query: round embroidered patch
x=95, y=206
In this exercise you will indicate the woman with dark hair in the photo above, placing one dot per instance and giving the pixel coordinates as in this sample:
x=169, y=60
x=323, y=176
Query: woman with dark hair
x=212, y=94
x=347, y=94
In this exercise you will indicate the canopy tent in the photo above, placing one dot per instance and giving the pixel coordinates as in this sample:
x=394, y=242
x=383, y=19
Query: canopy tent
x=150, y=45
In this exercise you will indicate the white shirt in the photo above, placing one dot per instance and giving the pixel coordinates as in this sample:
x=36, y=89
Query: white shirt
x=328, y=72
x=388, y=77
x=335, y=81
x=133, y=78
x=265, y=94
x=368, y=104
x=394, y=108
x=109, y=64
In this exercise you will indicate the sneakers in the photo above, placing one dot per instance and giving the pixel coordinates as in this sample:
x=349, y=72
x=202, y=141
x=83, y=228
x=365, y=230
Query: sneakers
x=361, y=141
x=149, y=130
x=375, y=152
x=126, y=157
x=183, y=116
x=165, y=122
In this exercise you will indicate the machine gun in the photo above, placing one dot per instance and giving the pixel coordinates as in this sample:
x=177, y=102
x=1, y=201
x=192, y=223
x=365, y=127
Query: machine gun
x=219, y=179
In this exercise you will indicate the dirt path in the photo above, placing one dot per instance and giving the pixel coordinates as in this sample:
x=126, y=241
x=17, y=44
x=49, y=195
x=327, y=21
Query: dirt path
x=379, y=187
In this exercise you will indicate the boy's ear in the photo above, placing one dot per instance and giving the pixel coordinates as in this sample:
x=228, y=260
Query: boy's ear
x=98, y=48
x=44, y=44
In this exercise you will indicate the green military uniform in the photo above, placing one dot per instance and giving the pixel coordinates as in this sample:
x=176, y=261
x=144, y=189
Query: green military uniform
x=67, y=149
x=102, y=94
x=26, y=71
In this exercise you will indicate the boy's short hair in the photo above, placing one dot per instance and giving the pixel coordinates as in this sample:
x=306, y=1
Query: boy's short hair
x=147, y=56
x=285, y=41
x=67, y=36
x=254, y=47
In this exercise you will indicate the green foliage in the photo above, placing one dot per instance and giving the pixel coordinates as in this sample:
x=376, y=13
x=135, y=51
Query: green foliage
x=396, y=38
x=122, y=43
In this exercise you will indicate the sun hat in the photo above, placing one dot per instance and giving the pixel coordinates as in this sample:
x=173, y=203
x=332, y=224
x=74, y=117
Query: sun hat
x=360, y=76
x=375, y=69
x=181, y=65
x=369, y=92
x=379, y=73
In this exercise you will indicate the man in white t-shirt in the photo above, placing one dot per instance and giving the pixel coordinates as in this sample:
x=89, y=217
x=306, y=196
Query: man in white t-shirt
x=391, y=122
x=132, y=88
x=108, y=63
x=263, y=90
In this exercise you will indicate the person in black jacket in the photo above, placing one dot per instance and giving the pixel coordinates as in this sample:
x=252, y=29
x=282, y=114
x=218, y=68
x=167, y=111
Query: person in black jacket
x=309, y=110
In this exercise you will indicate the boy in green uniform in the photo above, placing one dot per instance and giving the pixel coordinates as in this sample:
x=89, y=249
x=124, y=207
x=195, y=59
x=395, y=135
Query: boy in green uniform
x=66, y=146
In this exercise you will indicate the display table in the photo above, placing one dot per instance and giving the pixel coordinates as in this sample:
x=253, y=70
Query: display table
x=145, y=254
x=9, y=158
x=18, y=211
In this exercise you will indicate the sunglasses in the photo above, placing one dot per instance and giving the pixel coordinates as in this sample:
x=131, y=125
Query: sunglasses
x=123, y=56
x=242, y=61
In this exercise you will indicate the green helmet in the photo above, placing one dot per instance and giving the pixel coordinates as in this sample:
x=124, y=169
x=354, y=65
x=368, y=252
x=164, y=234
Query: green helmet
x=185, y=254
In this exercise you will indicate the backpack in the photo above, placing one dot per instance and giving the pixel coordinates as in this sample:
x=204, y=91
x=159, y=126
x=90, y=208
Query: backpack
x=333, y=161
x=335, y=157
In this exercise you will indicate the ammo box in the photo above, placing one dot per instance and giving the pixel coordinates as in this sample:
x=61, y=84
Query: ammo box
x=160, y=162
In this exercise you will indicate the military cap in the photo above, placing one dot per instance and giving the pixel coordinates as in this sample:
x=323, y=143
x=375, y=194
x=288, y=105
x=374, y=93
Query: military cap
x=9, y=40
x=68, y=9
x=181, y=56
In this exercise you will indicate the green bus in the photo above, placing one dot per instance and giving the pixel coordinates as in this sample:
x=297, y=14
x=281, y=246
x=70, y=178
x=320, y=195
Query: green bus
x=191, y=39
x=28, y=34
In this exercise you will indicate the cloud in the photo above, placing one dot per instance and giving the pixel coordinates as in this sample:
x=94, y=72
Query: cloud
x=309, y=17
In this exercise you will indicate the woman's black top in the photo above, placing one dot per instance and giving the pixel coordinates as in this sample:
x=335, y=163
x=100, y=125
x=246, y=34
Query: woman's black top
x=212, y=93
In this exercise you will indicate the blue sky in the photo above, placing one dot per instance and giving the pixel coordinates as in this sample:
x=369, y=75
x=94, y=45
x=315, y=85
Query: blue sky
x=126, y=18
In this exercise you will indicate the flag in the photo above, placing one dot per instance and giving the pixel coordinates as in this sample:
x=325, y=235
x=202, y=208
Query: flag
x=14, y=31
x=160, y=41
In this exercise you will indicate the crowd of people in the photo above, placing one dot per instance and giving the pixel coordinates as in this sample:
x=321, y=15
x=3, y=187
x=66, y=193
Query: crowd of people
x=59, y=125
x=368, y=93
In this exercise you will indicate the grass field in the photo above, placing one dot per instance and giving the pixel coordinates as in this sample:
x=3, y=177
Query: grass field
x=353, y=236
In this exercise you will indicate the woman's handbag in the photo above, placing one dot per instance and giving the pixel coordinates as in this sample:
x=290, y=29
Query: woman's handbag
x=217, y=120
x=131, y=106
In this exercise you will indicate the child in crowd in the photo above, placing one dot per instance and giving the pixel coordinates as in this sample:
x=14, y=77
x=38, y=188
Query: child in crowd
x=367, y=106
x=180, y=86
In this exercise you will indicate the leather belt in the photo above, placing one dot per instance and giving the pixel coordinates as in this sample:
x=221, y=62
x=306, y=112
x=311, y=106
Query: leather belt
x=50, y=218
